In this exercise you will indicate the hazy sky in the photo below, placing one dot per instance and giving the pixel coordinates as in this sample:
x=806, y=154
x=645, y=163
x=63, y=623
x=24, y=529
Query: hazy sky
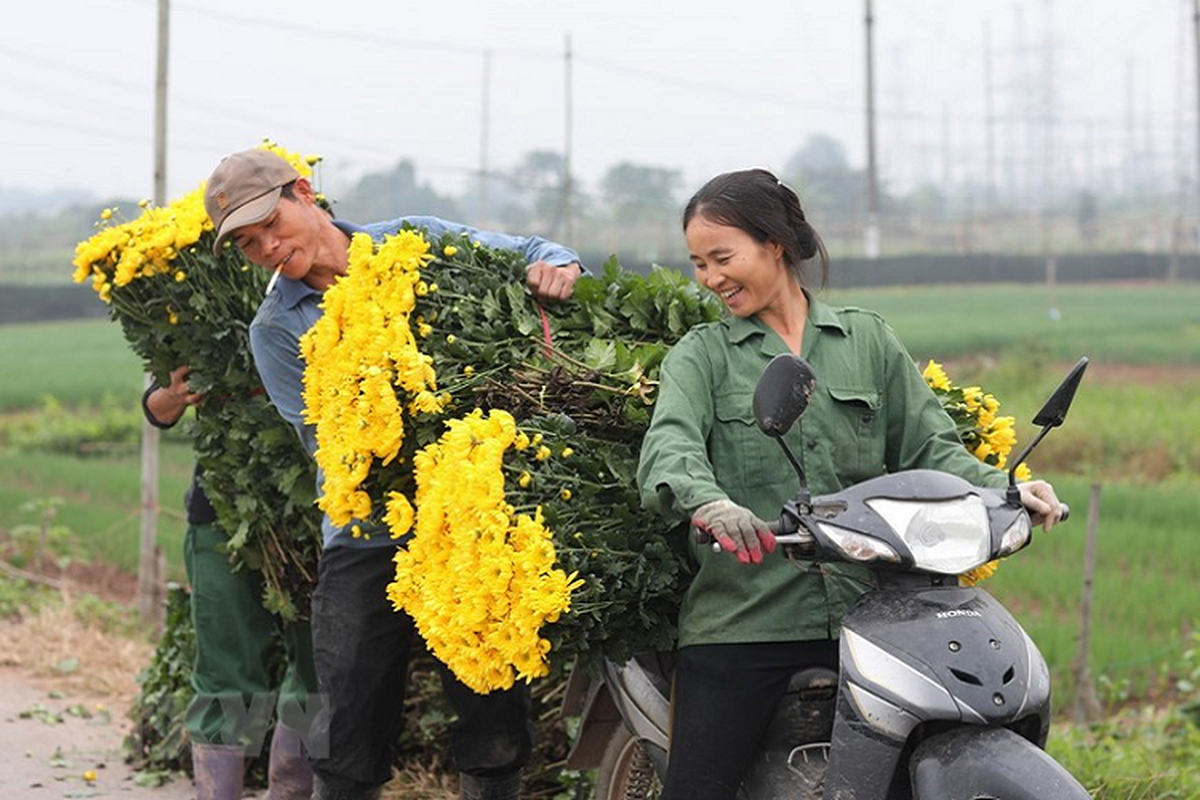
x=670, y=83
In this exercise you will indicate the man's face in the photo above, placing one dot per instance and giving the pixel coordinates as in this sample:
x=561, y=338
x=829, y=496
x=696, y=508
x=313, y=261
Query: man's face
x=285, y=240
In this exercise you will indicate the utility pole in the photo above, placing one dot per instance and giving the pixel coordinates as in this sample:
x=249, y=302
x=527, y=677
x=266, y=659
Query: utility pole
x=1048, y=111
x=483, y=138
x=1022, y=148
x=149, y=579
x=1196, y=37
x=569, y=238
x=871, y=234
x=160, y=103
x=1181, y=200
x=989, y=90
x=1131, y=152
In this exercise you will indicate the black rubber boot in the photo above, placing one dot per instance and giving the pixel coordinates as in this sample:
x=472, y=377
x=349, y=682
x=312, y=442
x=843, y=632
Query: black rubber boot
x=219, y=771
x=343, y=790
x=506, y=787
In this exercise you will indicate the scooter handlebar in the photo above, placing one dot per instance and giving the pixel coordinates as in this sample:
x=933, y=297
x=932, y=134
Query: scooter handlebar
x=800, y=537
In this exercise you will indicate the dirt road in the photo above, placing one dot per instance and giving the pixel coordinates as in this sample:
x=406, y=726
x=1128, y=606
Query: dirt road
x=63, y=744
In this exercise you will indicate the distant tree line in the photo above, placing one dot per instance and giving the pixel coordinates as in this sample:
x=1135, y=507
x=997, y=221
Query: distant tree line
x=633, y=212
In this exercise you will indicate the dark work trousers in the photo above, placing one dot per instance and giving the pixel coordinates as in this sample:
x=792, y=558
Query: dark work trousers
x=237, y=643
x=362, y=647
x=722, y=701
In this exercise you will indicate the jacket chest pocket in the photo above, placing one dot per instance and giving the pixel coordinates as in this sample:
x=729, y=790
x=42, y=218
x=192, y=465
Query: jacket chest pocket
x=856, y=432
x=742, y=456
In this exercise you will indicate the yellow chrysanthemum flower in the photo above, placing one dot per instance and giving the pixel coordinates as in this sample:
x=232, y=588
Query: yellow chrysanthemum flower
x=361, y=358
x=478, y=579
x=145, y=246
x=935, y=376
x=979, y=574
x=400, y=514
x=302, y=164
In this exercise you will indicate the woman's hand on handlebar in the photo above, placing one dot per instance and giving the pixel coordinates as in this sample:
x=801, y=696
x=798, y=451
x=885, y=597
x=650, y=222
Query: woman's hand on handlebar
x=736, y=529
x=1042, y=503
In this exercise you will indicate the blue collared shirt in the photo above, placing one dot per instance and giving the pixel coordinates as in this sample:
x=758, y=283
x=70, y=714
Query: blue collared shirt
x=293, y=307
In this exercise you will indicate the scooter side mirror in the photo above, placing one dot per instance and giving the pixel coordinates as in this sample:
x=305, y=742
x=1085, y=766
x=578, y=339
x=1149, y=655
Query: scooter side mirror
x=782, y=394
x=1055, y=411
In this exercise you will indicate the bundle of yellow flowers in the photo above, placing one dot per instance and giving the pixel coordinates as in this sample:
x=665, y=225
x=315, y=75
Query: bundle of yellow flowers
x=178, y=304
x=503, y=458
x=365, y=342
x=988, y=436
x=155, y=243
x=481, y=577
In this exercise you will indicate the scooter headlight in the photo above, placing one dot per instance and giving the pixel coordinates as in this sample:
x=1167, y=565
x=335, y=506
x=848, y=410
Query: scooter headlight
x=948, y=536
x=858, y=546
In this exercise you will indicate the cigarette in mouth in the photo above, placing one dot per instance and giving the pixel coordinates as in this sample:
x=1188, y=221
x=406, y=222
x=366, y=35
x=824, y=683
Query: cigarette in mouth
x=274, y=277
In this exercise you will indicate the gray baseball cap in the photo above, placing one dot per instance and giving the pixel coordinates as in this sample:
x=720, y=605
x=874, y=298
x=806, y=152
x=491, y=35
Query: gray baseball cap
x=244, y=189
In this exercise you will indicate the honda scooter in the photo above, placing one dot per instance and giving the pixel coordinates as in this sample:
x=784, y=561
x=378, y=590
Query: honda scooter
x=940, y=694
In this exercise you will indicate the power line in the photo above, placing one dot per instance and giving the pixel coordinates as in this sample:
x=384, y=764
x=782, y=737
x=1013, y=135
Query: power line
x=360, y=36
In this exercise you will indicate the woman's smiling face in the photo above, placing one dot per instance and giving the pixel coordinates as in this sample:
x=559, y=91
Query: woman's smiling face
x=746, y=275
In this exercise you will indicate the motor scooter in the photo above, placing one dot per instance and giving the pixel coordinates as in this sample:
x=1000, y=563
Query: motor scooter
x=939, y=694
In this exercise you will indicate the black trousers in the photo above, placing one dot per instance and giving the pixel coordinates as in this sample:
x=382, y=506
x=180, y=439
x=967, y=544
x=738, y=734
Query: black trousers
x=723, y=699
x=362, y=647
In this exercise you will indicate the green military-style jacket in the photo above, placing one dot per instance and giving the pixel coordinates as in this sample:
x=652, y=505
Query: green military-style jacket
x=872, y=413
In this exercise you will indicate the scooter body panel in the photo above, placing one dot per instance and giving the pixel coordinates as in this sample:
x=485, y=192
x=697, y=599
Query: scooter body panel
x=937, y=655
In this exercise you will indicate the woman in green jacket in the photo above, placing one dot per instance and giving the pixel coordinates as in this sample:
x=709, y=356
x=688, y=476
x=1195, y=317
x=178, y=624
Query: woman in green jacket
x=748, y=621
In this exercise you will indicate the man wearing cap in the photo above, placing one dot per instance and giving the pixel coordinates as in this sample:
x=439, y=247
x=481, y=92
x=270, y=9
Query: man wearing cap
x=258, y=202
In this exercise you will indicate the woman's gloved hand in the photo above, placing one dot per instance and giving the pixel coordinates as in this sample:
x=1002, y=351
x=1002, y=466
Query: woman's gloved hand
x=736, y=529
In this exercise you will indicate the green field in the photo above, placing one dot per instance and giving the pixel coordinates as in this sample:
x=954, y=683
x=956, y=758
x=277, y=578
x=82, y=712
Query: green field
x=77, y=362
x=1141, y=324
x=1135, y=429
x=101, y=500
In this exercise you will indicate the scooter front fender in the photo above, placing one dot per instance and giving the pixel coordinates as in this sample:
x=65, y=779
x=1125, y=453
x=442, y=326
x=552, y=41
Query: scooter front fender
x=974, y=761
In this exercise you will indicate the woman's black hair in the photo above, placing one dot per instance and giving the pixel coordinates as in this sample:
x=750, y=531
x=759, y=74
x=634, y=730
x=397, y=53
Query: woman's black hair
x=755, y=201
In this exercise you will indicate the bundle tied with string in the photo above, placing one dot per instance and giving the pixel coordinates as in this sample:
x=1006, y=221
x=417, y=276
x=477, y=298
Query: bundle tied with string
x=498, y=440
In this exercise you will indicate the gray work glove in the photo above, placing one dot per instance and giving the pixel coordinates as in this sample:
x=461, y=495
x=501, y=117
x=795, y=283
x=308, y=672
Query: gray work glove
x=736, y=529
